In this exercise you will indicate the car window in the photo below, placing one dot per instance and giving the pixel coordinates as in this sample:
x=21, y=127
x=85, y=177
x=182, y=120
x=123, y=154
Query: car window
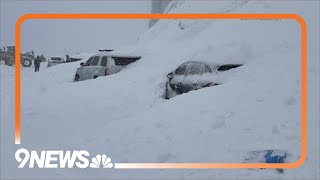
x=88, y=63
x=196, y=68
x=95, y=61
x=181, y=70
x=56, y=59
x=123, y=61
x=206, y=70
x=104, y=61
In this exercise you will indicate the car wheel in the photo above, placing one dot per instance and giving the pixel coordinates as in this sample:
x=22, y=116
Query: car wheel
x=76, y=77
x=26, y=62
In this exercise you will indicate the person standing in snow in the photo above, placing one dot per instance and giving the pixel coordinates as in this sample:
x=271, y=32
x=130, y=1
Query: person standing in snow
x=37, y=62
x=68, y=58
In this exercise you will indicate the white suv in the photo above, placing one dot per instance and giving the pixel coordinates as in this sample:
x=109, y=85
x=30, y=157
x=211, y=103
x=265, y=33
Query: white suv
x=102, y=65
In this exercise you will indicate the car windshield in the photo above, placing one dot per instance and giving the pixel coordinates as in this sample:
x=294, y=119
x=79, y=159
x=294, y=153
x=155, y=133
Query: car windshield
x=181, y=70
x=88, y=63
x=56, y=59
x=196, y=68
x=95, y=61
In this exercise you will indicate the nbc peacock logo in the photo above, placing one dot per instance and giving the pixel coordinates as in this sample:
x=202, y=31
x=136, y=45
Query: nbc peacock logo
x=101, y=161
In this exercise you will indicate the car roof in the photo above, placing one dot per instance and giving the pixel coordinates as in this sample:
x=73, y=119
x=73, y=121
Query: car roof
x=117, y=54
x=211, y=64
x=200, y=62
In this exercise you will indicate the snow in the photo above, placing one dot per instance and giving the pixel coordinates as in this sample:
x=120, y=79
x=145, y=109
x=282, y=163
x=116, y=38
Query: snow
x=124, y=115
x=82, y=56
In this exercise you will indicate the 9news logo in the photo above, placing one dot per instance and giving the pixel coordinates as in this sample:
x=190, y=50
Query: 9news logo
x=61, y=159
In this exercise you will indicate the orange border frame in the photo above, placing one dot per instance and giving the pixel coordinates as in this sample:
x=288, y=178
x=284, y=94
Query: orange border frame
x=295, y=17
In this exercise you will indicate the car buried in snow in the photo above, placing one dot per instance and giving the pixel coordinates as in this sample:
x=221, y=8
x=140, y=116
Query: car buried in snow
x=103, y=64
x=55, y=60
x=193, y=75
x=73, y=58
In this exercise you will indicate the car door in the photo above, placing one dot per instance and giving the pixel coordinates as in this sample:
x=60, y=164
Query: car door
x=112, y=68
x=84, y=70
x=93, y=69
x=104, y=66
x=207, y=76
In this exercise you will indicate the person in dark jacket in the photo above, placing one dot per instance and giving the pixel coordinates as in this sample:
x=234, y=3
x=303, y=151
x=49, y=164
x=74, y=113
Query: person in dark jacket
x=37, y=62
x=68, y=58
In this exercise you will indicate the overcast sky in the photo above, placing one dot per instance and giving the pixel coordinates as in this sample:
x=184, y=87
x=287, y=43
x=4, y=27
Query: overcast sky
x=58, y=37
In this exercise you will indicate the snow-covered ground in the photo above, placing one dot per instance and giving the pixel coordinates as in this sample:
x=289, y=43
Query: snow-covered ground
x=125, y=116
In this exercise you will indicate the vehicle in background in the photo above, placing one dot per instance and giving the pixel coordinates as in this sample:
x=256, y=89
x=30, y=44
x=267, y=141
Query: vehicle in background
x=193, y=75
x=103, y=64
x=55, y=60
x=26, y=59
x=73, y=58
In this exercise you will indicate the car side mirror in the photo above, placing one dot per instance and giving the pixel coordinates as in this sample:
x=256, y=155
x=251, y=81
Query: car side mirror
x=82, y=64
x=170, y=75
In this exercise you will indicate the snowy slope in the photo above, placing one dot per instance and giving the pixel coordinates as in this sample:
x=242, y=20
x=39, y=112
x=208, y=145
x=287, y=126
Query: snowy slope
x=125, y=116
